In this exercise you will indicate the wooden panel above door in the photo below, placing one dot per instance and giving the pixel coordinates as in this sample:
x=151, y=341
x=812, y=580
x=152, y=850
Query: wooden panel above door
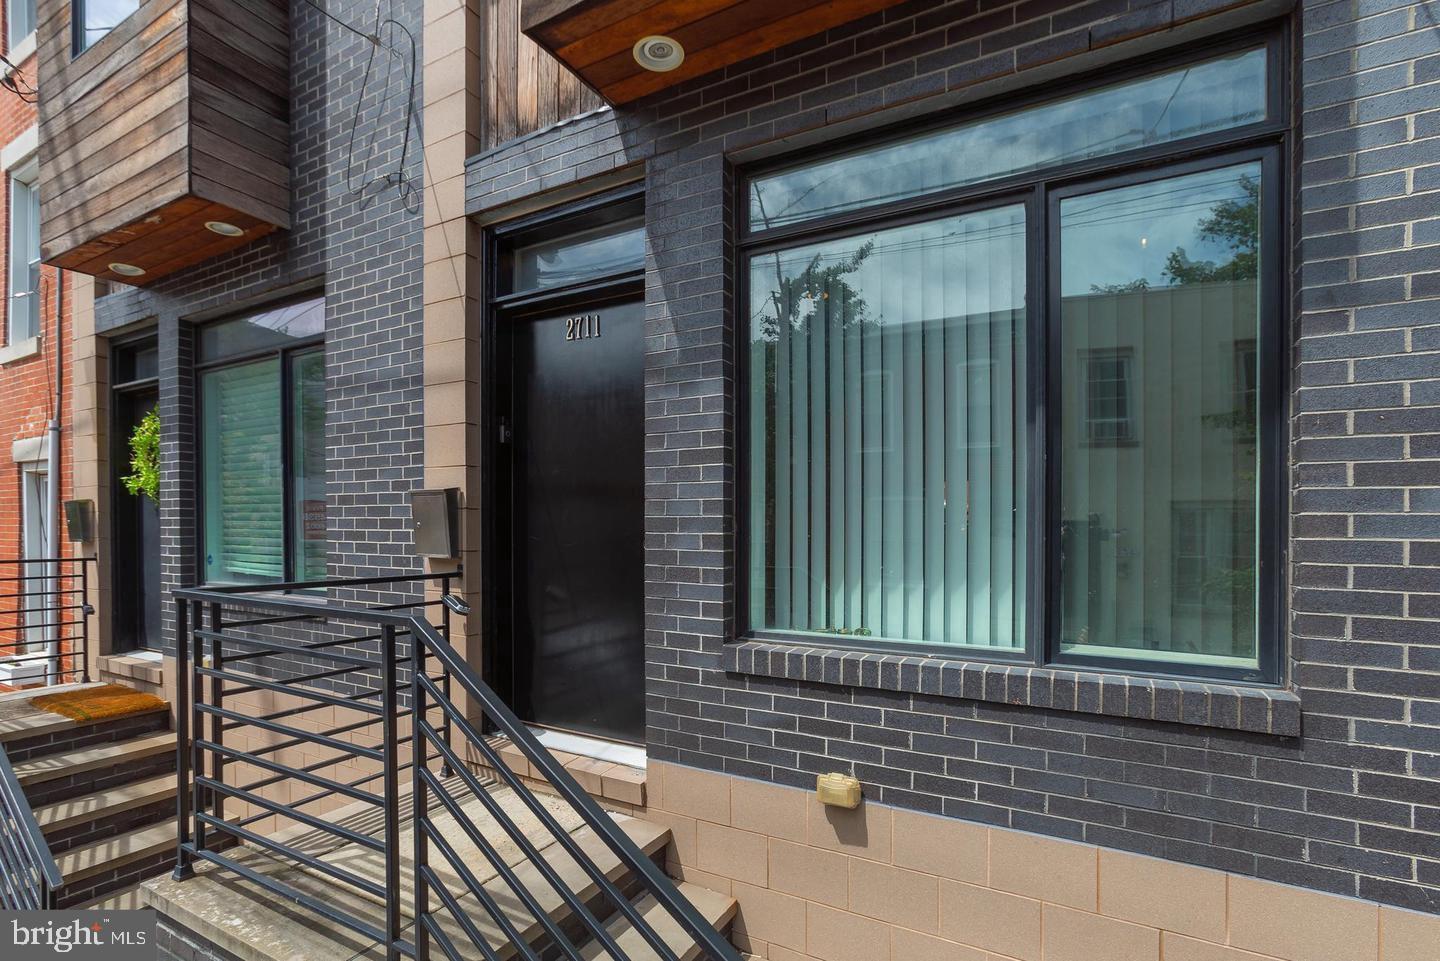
x=596, y=38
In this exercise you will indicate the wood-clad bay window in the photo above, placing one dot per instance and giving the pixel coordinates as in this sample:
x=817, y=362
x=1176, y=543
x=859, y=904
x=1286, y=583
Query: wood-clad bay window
x=262, y=446
x=1012, y=384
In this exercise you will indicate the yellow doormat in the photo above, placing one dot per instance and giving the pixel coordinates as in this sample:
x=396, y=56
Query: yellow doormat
x=98, y=703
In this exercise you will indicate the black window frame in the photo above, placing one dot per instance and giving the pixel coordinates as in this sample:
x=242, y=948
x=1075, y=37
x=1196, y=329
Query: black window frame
x=1266, y=141
x=284, y=354
x=78, y=37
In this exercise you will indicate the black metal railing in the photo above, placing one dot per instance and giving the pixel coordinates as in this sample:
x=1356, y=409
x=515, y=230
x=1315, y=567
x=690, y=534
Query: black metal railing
x=44, y=620
x=29, y=876
x=399, y=698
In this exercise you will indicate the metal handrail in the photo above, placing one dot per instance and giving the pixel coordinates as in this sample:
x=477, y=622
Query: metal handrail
x=29, y=876
x=658, y=884
x=410, y=642
x=55, y=605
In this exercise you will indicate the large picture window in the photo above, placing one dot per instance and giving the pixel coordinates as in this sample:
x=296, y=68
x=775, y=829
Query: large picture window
x=1006, y=386
x=262, y=446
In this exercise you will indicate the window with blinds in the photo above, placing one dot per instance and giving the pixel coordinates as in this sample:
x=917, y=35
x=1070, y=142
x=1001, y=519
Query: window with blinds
x=263, y=465
x=888, y=428
x=243, y=475
x=1033, y=419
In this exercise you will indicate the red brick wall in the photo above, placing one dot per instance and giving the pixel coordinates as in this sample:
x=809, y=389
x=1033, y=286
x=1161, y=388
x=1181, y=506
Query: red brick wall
x=27, y=386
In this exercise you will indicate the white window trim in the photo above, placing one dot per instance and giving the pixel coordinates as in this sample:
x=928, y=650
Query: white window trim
x=19, y=53
x=25, y=171
x=30, y=450
x=19, y=350
x=21, y=151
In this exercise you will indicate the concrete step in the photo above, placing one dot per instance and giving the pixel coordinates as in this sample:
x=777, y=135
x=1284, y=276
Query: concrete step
x=82, y=863
x=124, y=899
x=62, y=815
x=62, y=764
x=716, y=908
x=650, y=838
x=253, y=924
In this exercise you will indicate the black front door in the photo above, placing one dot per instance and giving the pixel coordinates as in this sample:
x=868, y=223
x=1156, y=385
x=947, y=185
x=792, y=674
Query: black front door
x=137, y=537
x=574, y=453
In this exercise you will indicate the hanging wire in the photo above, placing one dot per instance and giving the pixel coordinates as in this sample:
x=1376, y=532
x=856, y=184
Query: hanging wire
x=393, y=62
x=14, y=81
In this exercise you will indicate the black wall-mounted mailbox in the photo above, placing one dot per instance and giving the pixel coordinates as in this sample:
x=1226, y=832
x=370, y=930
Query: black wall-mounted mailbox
x=435, y=519
x=80, y=521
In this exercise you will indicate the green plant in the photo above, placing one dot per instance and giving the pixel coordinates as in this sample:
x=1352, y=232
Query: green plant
x=144, y=476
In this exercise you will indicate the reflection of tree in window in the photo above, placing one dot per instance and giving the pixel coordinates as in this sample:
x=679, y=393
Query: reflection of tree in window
x=886, y=374
x=1160, y=312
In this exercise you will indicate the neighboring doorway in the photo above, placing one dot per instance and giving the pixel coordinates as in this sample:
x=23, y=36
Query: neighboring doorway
x=136, y=534
x=35, y=546
x=569, y=359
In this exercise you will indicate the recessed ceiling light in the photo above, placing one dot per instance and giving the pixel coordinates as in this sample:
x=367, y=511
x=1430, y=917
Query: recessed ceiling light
x=223, y=229
x=127, y=270
x=660, y=54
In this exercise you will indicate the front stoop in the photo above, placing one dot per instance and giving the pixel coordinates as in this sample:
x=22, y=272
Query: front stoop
x=245, y=921
x=103, y=793
x=616, y=784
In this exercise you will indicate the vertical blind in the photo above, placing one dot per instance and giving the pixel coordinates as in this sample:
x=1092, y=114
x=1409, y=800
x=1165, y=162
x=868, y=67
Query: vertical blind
x=243, y=483
x=887, y=467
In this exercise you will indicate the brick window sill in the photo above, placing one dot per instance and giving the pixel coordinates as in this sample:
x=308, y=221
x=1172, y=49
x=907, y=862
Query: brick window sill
x=1232, y=707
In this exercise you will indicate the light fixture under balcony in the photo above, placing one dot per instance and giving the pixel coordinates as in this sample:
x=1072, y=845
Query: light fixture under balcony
x=127, y=270
x=660, y=54
x=223, y=229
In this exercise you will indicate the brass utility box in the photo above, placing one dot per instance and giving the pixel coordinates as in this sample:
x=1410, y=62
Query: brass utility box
x=838, y=790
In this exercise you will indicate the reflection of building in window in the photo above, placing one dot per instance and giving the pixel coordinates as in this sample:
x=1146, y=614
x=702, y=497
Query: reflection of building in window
x=1247, y=374
x=1109, y=398
x=1213, y=545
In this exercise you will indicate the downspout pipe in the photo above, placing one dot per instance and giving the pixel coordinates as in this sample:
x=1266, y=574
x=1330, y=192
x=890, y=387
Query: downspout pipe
x=52, y=468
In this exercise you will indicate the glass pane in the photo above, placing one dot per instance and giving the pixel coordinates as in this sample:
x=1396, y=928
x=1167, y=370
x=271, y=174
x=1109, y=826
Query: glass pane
x=606, y=250
x=138, y=362
x=21, y=14
x=278, y=327
x=887, y=434
x=1181, y=103
x=241, y=469
x=307, y=465
x=24, y=305
x=99, y=17
x=1159, y=462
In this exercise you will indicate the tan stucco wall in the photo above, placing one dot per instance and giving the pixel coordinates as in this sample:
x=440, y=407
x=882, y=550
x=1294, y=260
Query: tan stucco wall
x=90, y=400
x=884, y=884
x=453, y=285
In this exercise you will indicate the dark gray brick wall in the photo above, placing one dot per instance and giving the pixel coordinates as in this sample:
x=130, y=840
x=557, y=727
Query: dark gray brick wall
x=363, y=251
x=1352, y=805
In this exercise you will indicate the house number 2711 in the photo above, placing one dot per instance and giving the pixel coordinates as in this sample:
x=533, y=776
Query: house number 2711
x=582, y=327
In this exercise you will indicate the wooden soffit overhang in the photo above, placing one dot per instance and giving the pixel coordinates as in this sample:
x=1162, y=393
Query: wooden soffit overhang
x=596, y=38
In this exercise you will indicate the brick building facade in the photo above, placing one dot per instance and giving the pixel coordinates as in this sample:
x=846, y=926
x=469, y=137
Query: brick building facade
x=1326, y=782
x=36, y=327
x=1283, y=808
